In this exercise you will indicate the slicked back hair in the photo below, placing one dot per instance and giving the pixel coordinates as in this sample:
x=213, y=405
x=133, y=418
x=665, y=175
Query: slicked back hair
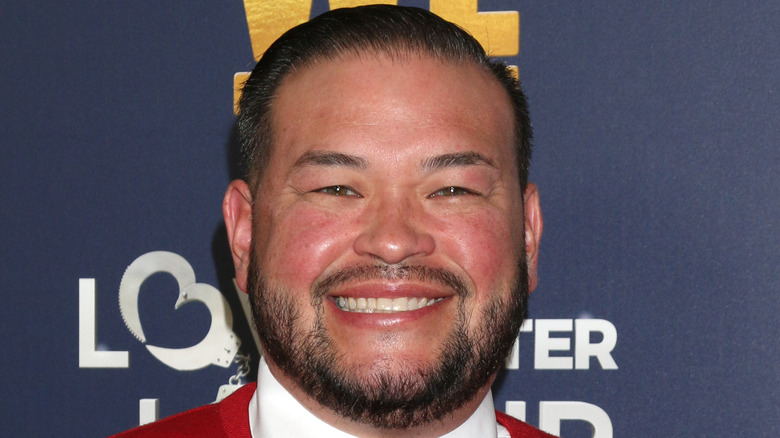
x=393, y=31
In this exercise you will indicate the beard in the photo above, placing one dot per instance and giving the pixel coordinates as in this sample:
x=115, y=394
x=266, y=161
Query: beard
x=385, y=398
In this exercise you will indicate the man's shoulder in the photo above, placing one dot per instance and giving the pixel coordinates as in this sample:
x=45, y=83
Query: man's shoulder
x=203, y=421
x=519, y=429
x=228, y=418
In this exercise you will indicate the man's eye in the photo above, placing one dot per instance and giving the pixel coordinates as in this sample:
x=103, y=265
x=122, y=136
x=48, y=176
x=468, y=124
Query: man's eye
x=451, y=191
x=339, y=191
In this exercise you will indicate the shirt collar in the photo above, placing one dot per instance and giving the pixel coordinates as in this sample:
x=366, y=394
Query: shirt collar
x=275, y=413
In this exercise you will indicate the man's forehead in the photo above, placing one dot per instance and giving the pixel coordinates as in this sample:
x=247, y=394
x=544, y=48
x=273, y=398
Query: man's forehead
x=369, y=82
x=350, y=104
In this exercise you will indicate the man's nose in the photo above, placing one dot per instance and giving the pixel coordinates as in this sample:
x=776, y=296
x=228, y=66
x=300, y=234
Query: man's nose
x=394, y=230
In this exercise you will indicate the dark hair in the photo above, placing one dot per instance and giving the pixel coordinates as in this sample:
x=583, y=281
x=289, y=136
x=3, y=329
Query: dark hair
x=391, y=30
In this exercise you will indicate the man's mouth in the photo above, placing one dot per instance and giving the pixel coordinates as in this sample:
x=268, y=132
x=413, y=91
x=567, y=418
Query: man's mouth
x=384, y=305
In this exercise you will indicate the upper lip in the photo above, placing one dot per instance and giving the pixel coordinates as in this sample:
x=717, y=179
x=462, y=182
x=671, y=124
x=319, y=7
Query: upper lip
x=383, y=281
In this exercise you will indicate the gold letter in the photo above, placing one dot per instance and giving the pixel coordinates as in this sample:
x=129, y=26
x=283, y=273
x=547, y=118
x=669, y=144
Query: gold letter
x=498, y=32
x=269, y=19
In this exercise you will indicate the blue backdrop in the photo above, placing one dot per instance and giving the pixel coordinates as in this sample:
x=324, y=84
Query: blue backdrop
x=656, y=134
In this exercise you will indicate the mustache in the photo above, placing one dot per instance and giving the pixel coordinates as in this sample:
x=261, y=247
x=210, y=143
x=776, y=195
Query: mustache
x=421, y=273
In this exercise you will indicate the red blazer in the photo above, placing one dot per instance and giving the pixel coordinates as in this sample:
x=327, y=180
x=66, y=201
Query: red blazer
x=230, y=419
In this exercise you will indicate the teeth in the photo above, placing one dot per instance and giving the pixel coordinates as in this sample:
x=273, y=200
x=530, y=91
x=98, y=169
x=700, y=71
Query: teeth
x=384, y=305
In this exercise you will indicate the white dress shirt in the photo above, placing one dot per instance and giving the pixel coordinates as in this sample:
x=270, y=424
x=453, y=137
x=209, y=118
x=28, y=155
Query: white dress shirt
x=275, y=413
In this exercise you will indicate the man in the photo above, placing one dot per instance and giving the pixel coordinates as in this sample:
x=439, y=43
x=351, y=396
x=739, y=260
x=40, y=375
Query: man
x=386, y=233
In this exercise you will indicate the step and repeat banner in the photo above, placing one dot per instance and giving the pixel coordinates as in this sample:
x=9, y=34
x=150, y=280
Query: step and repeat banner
x=657, y=128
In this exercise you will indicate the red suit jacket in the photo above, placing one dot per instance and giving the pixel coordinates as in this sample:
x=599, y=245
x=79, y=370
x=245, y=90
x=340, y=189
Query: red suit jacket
x=230, y=419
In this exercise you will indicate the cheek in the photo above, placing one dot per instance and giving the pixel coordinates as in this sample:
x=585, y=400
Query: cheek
x=487, y=247
x=300, y=244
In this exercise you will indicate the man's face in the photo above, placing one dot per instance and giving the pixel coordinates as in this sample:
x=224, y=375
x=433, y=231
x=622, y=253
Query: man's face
x=388, y=235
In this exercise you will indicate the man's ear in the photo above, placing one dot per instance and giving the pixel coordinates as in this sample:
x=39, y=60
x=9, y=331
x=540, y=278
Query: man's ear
x=237, y=210
x=533, y=231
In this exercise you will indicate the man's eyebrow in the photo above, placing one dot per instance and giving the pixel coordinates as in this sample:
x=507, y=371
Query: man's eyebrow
x=455, y=160
x=324, y=158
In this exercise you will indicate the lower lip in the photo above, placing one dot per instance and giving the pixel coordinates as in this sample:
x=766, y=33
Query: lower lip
x=378, y=320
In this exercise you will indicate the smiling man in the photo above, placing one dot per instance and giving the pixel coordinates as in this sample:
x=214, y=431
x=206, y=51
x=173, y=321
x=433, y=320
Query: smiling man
x=385, y=231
